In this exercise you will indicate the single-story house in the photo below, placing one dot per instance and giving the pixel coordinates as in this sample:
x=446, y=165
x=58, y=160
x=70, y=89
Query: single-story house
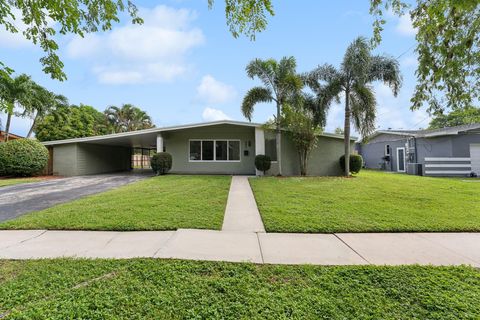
x=220, y=147
x=453, y=151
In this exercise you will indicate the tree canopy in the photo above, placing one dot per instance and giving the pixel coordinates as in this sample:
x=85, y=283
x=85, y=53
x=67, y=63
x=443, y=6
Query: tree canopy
x=455, y=118
x=448, y=48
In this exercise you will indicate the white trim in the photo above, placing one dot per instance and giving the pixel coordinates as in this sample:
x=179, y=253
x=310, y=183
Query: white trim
x=404, y=160
x=447, y=172
x=446, y=159
x=215, y=150
x=446, y=165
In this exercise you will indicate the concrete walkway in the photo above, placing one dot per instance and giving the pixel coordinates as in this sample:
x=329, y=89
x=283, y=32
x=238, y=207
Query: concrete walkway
x=273, y=248
x=241, y=213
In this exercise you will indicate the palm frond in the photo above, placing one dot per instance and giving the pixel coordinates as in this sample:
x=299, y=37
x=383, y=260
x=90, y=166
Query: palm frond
x=363, y=109
x=254, y=96
x=387, y=70
x=265, y=70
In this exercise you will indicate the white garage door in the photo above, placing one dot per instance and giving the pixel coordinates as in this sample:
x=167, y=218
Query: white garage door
x=475, y=157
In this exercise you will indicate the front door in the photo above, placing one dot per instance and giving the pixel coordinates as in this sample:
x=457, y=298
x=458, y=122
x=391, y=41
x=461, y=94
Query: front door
x=475, y=158
x=401, y=159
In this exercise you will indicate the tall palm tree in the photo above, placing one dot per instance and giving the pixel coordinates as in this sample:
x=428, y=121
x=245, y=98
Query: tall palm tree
x=14, y=92
x=353, y=80
x=41, y=103
x=127, y=118
x=280, y=83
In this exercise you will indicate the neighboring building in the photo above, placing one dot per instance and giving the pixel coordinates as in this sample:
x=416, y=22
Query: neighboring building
x=453, y=151
x=221, y=147
x=11, y=136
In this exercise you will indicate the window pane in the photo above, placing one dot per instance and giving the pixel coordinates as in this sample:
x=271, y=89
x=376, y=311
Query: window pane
x=271, y=148
x=221, y=150
x=195, y=147
x=234, y=150
x=207, y=150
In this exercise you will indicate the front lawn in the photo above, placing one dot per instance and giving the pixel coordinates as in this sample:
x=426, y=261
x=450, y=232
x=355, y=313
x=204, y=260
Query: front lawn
x=161, y=203
x=372, y=201
x=171, y=289
x=11, y=181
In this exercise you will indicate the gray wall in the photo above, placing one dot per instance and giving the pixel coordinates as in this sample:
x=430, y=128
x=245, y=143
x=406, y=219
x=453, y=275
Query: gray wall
x=177, y=143
x=83, y=159
x=373, y=152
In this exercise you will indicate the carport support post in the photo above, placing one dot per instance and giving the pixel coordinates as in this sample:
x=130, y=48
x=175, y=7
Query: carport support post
x=159, y=143
x=259, y=145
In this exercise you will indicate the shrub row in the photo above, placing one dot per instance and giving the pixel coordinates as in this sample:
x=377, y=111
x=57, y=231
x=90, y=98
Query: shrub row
x=22, y=157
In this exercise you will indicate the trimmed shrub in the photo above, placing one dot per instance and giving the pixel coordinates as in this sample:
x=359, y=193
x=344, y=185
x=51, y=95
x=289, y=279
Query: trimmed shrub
x=263, y=163
x=356, y=163
x=22, y=157
x=161, y=162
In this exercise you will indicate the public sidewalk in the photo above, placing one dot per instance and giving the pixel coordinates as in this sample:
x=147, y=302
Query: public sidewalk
x=278, y=248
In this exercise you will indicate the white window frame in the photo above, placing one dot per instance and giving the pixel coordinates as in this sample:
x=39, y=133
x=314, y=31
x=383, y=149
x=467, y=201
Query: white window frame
x=215, y=150
x=404, y=160
x=389, y=148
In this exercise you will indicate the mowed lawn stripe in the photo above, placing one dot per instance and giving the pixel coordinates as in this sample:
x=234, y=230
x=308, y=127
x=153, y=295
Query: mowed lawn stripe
x=160, y=203
x=369, y=202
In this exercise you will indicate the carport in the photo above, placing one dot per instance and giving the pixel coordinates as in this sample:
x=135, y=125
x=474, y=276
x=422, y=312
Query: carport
x=102, y=154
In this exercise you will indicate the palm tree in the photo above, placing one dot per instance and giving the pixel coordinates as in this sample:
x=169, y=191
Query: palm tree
x=353, y=80
x=14, y=92
x=41, y=103
x=280, y=84
x=127, y=118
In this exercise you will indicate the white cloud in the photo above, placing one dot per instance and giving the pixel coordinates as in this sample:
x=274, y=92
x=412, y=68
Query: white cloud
x=152, y=52
x=405, y=27
x=213, y=91
x=211, y=114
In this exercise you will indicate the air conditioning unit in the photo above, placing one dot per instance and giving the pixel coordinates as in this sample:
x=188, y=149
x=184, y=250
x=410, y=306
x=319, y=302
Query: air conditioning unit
x=415, y=169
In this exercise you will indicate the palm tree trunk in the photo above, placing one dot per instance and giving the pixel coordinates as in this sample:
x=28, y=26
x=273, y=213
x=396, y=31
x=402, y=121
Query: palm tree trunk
x=278, y=140
x=33, y=126
x=7, y=126
x=347, y=133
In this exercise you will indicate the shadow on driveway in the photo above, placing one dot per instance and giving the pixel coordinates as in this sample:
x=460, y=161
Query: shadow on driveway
x=19, y=199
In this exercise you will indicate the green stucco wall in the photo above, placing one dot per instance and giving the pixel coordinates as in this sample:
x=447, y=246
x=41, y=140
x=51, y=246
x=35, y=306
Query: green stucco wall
x=177, y=143
x=82, y=159
x=323, y=159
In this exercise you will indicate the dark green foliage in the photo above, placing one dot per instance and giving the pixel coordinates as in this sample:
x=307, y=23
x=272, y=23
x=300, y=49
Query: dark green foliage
x=263, y=163
x=161, y=162
x=22, y=157
x=67, y=122
x=356, y=163
x=172, y=289
x=455, y=118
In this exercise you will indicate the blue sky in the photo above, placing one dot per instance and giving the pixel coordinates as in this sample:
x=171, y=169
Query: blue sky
x=184, y=66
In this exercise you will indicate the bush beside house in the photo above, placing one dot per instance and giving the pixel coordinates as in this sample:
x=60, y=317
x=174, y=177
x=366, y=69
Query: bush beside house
x=22, y=157
x=263, y=163
x=356, y=163
x=161, y=163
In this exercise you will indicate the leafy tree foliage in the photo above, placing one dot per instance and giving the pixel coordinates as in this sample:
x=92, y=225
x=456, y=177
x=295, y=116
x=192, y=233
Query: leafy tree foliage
x=280, y=84
x=66, y=122
x=353, y=80
x=246, y=17
x=338, y=130
x=127, y=118
x=455, y=118
x=14, y=93
x=80, y=17
x=448, y=47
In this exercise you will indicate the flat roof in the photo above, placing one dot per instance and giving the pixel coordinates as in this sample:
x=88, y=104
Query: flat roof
x=146, y=136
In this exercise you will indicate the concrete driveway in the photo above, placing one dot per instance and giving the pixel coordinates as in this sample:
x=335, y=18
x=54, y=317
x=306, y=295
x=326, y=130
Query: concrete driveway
x=19, y=199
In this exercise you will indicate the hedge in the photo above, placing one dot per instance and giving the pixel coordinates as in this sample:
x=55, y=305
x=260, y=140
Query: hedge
x=356, y=163
x=22, y=157
x=161, y=162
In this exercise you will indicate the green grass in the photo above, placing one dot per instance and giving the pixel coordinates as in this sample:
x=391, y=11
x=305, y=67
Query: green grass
x=13, y=181
x=370, y=202
x=170, y=289
x=160, y=203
